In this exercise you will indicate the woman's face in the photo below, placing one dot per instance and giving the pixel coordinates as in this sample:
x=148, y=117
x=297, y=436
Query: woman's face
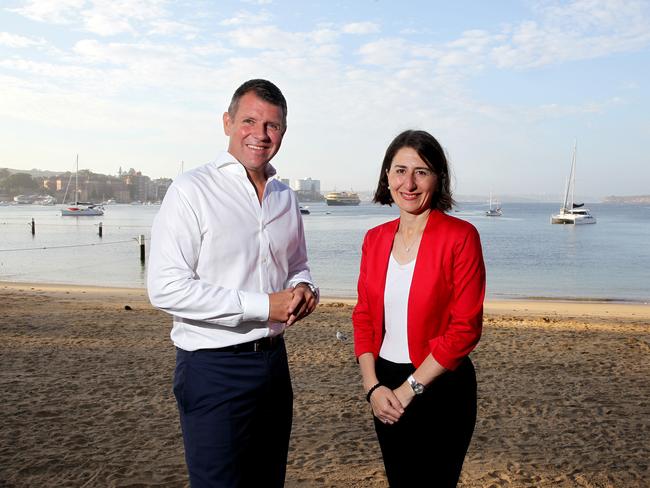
x=412, y=183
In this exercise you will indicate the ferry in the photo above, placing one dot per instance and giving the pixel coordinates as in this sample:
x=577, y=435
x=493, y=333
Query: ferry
x=342, y=198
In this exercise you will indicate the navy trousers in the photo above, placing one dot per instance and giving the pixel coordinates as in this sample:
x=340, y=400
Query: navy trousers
x=235, y=411
x=427, y=446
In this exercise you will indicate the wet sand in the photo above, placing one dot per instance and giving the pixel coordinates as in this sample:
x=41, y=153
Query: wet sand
x=87, y=401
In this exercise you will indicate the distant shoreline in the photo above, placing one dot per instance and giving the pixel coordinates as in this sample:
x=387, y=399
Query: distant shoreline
x=632, y=199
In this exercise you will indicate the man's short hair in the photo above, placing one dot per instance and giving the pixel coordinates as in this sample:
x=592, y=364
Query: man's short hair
x=263, y=89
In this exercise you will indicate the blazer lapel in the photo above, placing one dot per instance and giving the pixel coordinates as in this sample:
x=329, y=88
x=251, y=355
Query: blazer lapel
x=384, y=247
x=422, y=280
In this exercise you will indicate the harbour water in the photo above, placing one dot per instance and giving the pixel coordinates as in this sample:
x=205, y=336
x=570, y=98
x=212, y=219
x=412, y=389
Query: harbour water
x=526, y=256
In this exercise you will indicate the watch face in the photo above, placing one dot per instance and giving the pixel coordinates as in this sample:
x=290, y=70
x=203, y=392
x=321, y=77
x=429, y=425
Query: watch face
x=311, y=287
x=418, y=388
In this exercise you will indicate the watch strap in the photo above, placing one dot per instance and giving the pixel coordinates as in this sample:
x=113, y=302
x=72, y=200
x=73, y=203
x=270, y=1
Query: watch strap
x=418, y=388
x=311, y=287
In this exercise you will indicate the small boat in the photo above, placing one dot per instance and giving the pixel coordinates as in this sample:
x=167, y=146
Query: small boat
x=494, y=212
x=304, y=210
x=80, y=209
x=83, y=210
x=23, y=200
x=571, y=212
x=45, y=200
x=342, y=198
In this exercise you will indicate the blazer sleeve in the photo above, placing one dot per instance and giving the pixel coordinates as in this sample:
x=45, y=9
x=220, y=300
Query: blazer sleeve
x=466, y=307
x=361, y=317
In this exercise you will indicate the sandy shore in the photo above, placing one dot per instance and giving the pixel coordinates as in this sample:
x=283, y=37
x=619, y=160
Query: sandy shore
x=86, y=384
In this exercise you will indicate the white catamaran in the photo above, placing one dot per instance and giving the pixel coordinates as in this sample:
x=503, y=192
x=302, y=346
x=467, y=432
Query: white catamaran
x=77, y=208
x=494, y=211
x=571, y=212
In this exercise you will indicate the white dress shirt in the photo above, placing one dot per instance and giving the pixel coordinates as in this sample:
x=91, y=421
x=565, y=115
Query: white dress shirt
x=216, y=253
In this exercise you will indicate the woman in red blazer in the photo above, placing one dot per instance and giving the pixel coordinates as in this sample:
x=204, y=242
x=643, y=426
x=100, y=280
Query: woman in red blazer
x=418, y=316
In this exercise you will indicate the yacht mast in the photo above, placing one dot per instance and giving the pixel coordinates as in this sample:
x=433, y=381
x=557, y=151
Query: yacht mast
x=76, y=183
x=573, y=174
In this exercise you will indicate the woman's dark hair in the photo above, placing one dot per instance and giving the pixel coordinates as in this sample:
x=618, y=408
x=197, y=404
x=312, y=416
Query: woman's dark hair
x=263, y=89
x=431, y=152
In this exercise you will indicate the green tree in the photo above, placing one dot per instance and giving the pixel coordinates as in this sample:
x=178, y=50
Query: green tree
x=19, y=183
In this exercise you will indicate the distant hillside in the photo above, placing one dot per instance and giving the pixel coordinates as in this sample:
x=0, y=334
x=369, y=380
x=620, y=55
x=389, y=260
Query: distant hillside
x=643, y=199
x=35, y=172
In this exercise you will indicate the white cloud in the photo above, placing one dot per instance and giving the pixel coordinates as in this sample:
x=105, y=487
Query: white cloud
x=583, y=29
x=267, y=38
x=163, y=27
x=211, y=49
x=594, y=14
x=54, y=11
x=125, y=54
x=324, y=35
x=103, y=25
x=16, y=41
x=112, y=17
x=102, y=17
x=474, y=41
x=52, y=74
x=361, y=28
x=557, y=111
x=384, y=52
x=247, y=18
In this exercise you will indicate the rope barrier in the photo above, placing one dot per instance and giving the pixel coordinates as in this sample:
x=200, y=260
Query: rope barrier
x=109, y=226
x=69, y=246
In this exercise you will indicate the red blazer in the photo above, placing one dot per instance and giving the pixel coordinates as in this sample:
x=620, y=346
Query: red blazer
x=445, y=307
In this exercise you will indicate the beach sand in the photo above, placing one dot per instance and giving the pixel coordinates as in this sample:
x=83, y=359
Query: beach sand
x=87, y=402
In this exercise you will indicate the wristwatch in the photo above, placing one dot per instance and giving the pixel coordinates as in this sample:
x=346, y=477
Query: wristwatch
x=311, y=287
x=418, y=388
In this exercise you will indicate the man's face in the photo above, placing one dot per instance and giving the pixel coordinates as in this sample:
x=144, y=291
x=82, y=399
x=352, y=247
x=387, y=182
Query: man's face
x=256, y=131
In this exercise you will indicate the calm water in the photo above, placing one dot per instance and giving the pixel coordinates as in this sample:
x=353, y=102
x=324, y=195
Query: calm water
x=525, y=255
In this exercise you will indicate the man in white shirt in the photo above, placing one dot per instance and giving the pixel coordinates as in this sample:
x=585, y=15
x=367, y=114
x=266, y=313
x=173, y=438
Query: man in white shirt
x=228, y=260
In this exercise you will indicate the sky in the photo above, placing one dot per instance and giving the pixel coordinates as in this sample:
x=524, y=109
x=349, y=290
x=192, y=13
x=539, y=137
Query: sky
x=507, y=87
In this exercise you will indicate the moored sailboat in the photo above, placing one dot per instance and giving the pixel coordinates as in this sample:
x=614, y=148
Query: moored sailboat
x=494, y=211
x=571, y=212
x=77, y=208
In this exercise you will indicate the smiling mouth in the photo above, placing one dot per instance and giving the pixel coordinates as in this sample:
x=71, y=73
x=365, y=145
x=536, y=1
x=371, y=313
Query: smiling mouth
x=409, y=196
x=255, y=148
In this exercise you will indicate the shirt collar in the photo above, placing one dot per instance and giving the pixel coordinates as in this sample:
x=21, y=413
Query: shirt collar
x=228, y=162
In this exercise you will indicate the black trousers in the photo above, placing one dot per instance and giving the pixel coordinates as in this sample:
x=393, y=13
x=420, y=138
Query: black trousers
x=427, y=446
x=235, y=412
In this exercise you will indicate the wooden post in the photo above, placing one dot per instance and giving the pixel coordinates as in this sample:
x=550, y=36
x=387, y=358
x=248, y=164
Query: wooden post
x=141, y=241
x=33, y=227
x=100, y=229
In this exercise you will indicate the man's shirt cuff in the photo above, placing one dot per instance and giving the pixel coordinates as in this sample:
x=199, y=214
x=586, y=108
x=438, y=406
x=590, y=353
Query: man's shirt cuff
x=255, y=306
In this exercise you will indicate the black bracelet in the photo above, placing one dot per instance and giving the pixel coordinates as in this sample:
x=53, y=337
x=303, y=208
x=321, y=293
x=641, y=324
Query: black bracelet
x=371, y=390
